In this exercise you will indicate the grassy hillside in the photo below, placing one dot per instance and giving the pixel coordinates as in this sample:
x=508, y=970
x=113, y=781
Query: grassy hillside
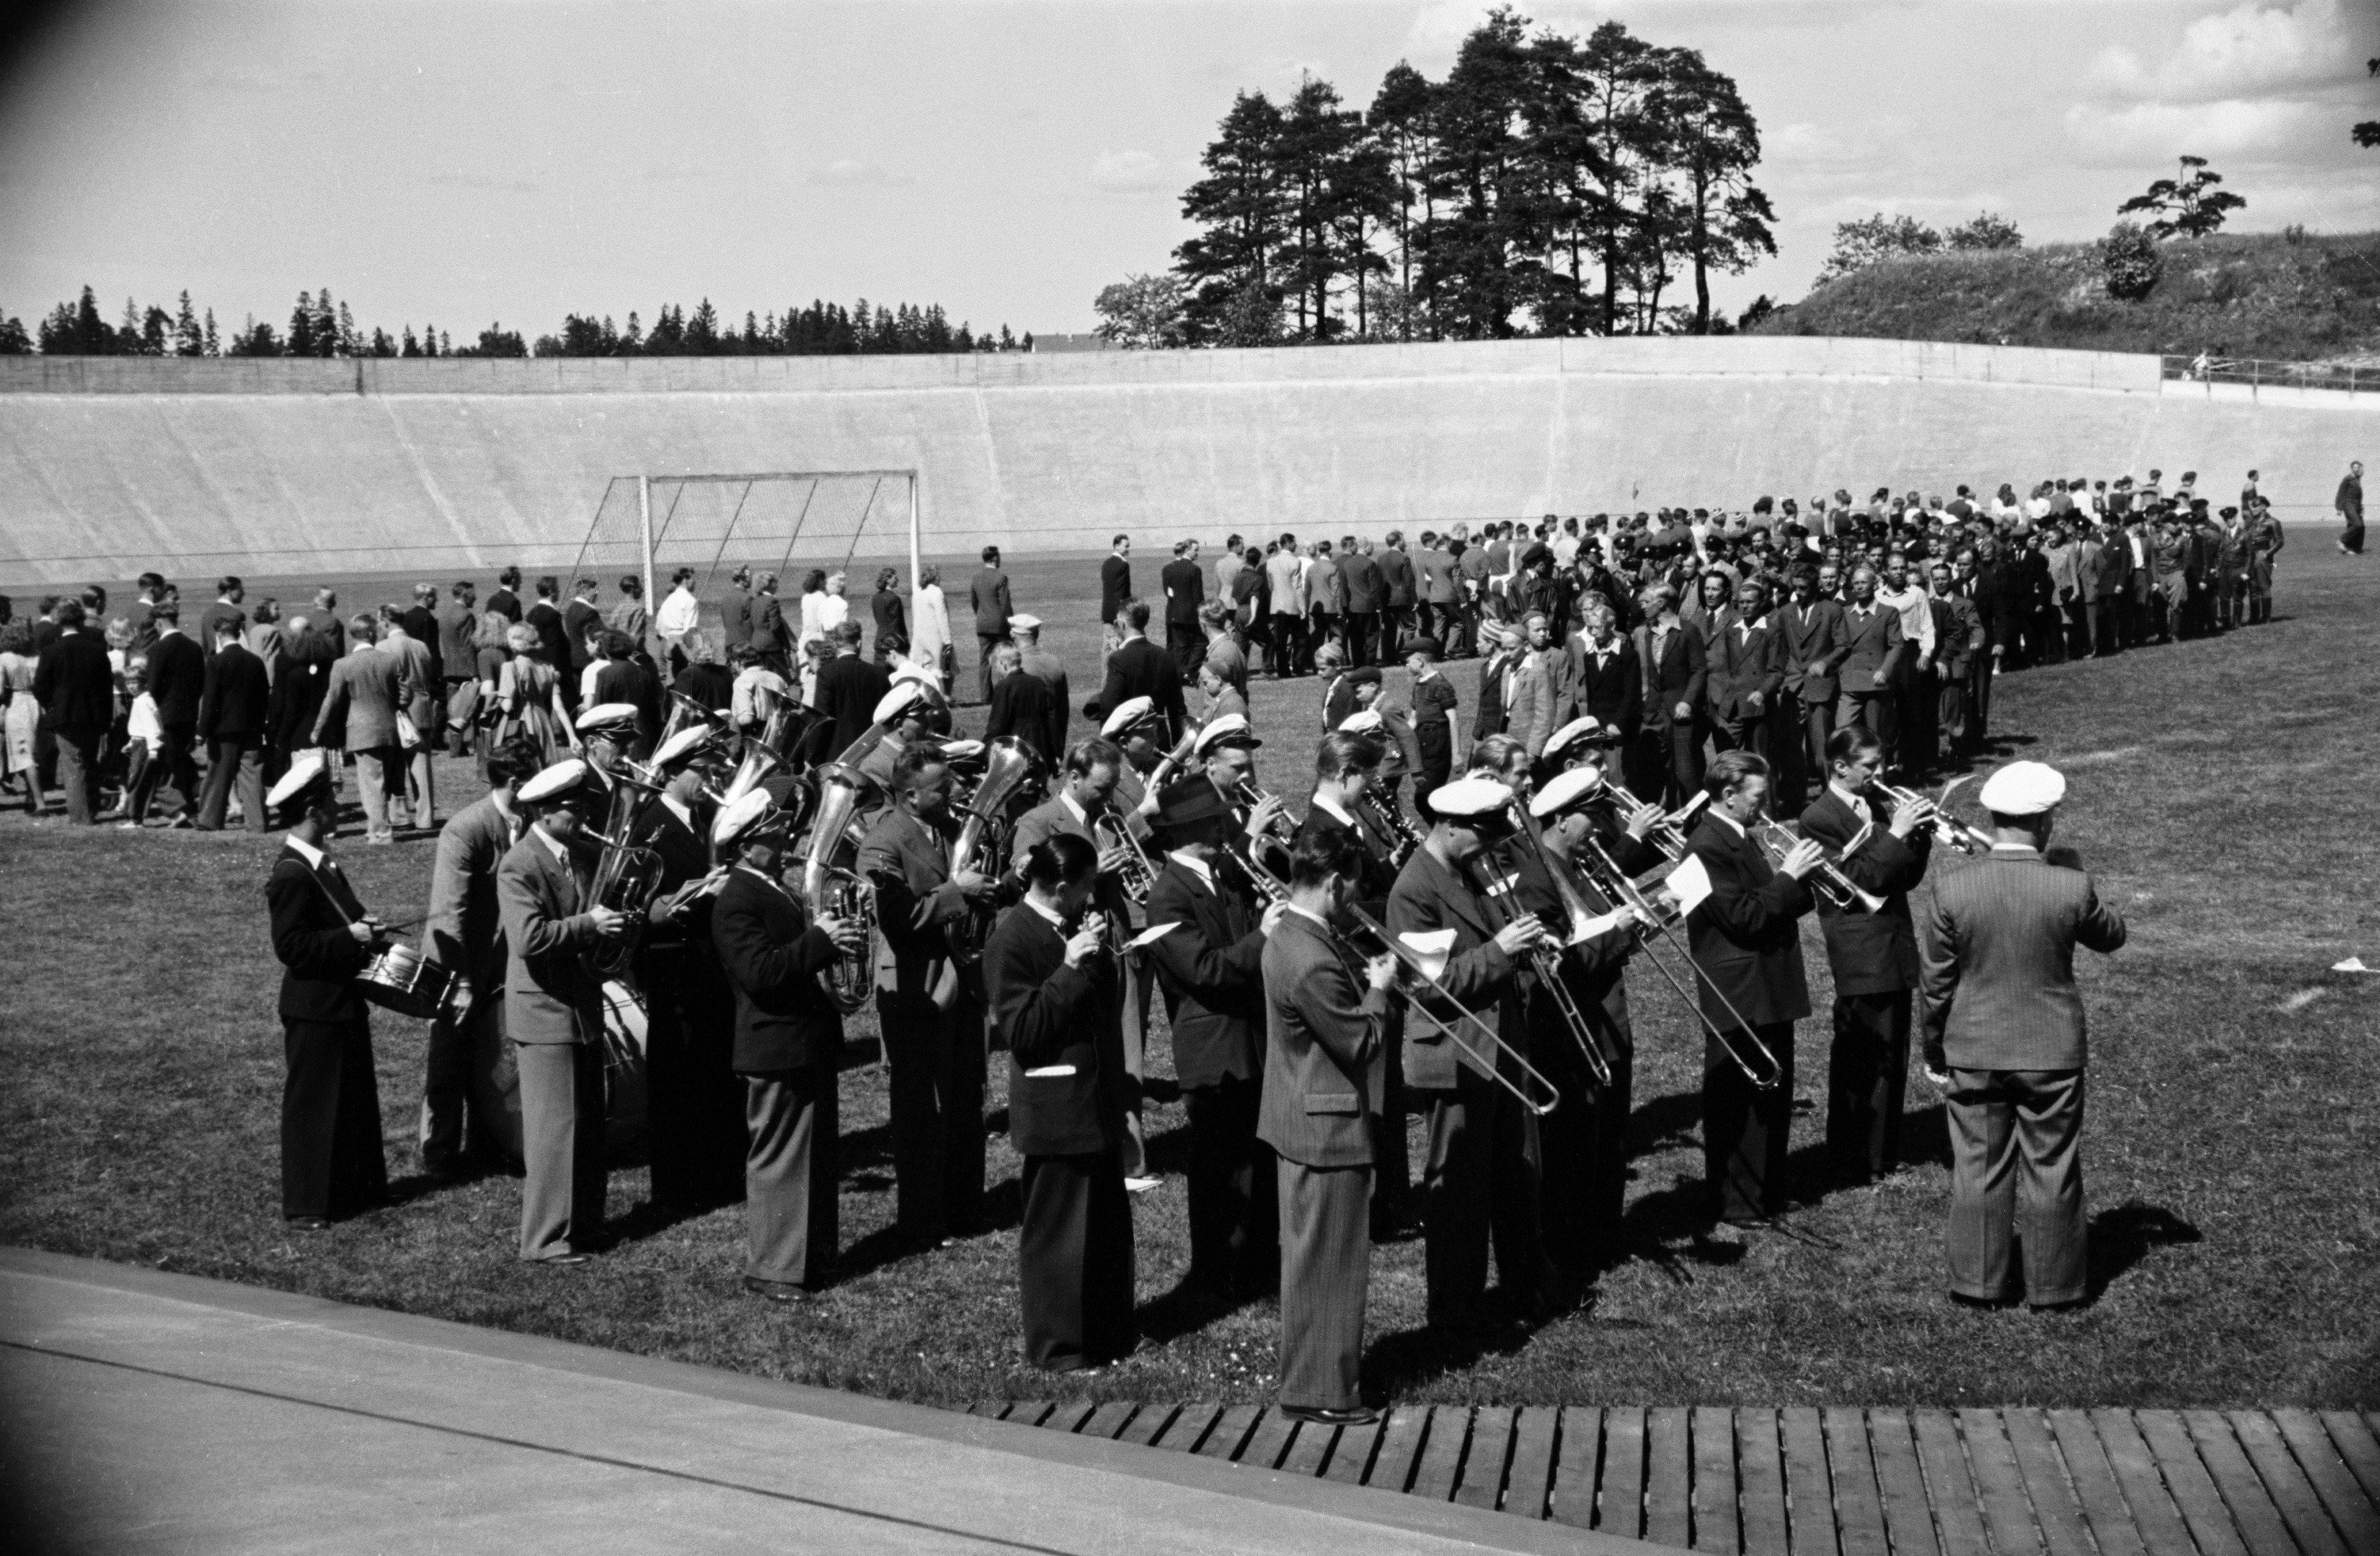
x=2268, y=295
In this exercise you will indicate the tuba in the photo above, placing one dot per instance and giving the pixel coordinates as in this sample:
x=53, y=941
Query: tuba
x=1008, y=765
x=831, y=891
x=627, y=876
x=684, y=712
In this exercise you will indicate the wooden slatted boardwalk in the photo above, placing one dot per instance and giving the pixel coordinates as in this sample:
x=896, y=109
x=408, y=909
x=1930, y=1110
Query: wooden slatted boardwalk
x=1831, y=1482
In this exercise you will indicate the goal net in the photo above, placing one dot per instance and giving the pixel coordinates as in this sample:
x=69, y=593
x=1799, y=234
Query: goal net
x=783, y=523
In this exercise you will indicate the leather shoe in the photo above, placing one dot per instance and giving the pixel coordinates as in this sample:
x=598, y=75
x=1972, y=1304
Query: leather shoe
x=775, y=1291
x=1323, y=1415
x=308, y=1223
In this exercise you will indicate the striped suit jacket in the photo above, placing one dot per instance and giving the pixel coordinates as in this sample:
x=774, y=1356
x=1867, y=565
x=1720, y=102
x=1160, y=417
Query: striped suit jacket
x=1997, y=981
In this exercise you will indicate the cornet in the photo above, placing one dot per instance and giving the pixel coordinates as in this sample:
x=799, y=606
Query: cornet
x=1829, y=881
x=1949, y=831
x=1139, y=872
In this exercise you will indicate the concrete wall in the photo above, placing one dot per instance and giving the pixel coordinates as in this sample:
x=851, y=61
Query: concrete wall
x=111, y=465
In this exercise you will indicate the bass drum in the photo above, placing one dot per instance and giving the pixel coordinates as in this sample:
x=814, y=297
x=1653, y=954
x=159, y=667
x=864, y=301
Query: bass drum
x=495, y=1074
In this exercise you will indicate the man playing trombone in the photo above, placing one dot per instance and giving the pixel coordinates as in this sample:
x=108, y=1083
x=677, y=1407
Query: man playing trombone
x=1873, y=955
x=1747, y=949
x=1481, y=1176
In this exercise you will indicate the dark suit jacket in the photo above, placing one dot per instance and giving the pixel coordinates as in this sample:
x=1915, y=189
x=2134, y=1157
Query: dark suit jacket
x=1062, y=1019
x=1360, y=576
x=576, y=618
x=552, y=637
x=915, y=904
x=1813, y=647
x=1186, y=590
x=177, y=679
x=239, y=695
x=297, y=692
x=1024, y=705
x=1745, y=935
x=1487, y=713
x=75, y=684
x=319, y=957
x=1427, y=896
x=505, y=602
x=421, y=624
x=624, y=680
x=1325, y=1050
x=992, y=607
x=549, y=997
x=1740, y=662
x=1681, y=673
x=1396, y=576
x=1614, y=692
x=1958, y=633
x=1211, y=970
x=772, y=956
x=891, y=616
x=849, y=687
x=1374, y=884
x=215, y=616
x=1115, y=587
x=1871, y=953
x=1142, y=669
x=1998, y=976
x=465, y=930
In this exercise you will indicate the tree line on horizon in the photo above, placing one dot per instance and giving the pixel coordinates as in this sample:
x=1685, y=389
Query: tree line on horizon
x=1548, y=186
x=318, y=327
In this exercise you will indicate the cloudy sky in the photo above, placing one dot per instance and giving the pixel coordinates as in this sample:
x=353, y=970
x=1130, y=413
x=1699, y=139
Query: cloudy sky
x=469, y=163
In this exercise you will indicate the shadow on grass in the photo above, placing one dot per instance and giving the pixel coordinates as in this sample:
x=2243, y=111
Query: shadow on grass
x=2121, y=1237
x=1004, y=1208
x=1395, y=1364
x=1187, y=1309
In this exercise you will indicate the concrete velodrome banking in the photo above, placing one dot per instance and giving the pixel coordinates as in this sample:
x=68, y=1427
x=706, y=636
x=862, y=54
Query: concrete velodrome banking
x=111, y=464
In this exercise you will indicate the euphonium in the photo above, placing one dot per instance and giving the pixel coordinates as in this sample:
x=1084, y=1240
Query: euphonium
x=627, y=876
x=830, y=891
x=684, y=712
x=1008, y=765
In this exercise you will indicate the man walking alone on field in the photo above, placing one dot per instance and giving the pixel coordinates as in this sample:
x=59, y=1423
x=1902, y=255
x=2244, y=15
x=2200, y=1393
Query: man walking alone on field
x=2349, y=503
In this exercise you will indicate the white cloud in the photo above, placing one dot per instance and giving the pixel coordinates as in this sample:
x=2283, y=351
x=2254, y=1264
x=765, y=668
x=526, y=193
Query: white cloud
x=2158, y=132
x=1131, y=173
x=2248, y=49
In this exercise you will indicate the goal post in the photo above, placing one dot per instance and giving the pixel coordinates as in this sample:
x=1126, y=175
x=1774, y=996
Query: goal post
x=780, y=522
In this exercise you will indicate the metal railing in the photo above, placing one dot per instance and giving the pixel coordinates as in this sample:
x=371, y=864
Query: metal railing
x=2206, y=368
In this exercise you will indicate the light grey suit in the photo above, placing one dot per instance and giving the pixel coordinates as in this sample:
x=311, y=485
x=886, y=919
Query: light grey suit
x=464, y=932
x=1998, y=1008
x=553, y=1013
x=1325, y=1075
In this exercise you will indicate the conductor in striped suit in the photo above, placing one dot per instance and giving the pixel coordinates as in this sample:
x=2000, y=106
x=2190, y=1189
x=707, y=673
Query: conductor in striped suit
x=2004, y=1034
x=1326, y=1024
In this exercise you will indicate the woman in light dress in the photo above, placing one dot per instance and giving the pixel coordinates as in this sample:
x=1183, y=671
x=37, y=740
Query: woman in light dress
x=20, y=714
x=529, y=691
x=931, y=649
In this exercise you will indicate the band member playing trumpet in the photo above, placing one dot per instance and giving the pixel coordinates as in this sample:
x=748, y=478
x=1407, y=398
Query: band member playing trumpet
x=1323, y=1115
x=1482, y=1170
x=464, y=935
x=788, y=1050
x=1748, y=948
x=1088, y=795
x=553, y=1012
x=929, y=1009
x=331, y=1161
x=1211, y=967
x=1051, y=972
x=1873, y=955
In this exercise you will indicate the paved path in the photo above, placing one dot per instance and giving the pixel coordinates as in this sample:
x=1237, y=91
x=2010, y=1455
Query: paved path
x=1833, y=1482
x=141, y=1411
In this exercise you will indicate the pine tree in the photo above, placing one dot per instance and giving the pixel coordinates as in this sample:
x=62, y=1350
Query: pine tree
x=156, y=332
x=445, y=345
x=1241, y=205
x=14, y=341
x=214, y=346
x=429, y=339
x=326, y=324
x=349, y=342
x=301, y=326
x=187, y=341
x=407, y=345
x=91, y=337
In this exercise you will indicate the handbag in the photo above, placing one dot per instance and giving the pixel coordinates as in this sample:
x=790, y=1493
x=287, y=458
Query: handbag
x=408, y=735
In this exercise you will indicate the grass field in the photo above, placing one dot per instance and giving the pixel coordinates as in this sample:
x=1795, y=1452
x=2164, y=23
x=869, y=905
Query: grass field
x=2233, y=1158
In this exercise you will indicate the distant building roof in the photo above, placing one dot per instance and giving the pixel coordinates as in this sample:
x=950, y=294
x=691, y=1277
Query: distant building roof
x=1073, y=343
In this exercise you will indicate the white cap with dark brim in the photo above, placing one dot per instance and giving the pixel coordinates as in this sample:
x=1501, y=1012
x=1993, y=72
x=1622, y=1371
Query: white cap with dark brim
x=739, y=817
x=1588, y=728
x=1467, y=801
x=305, y=772
x=903, y=695
x=1231, y=729
x=607, y=715
x=1363, y=721
x=561, y=781
x=1025, y=623
x=1572, y=786
x=678, y=744
x=1128, y=712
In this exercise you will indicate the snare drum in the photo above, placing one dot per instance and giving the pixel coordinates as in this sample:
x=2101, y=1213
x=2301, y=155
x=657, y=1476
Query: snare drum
x=400, y=979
